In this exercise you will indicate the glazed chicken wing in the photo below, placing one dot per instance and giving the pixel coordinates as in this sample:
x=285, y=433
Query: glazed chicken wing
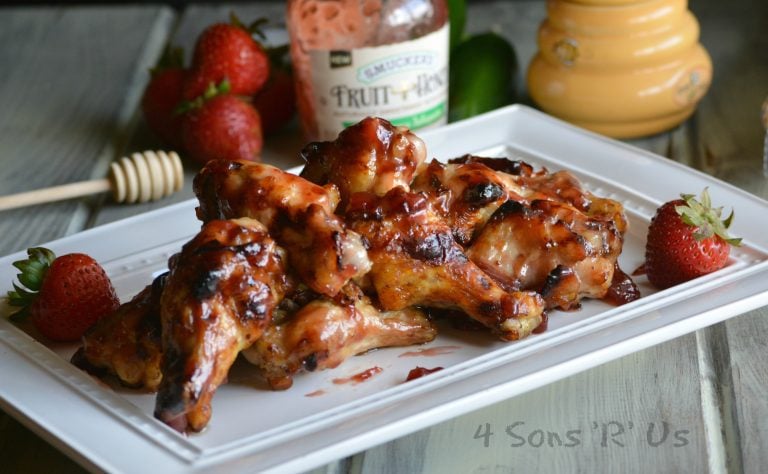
x=529, y=230
x=326, y=331
x=371, y=156
x=465, y=195
x=562, y=186
x=218, y=299
x=417, y=262
x=299, y=273
x=549, y=247
x=524, y=184
x=127, y=342
x=299, y=215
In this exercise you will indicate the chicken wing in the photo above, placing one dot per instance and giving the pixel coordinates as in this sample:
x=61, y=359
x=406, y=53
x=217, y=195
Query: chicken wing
x=325, y=332
x=371, y=156
x=302, y=272
x=465, y=195
x=218, y=299
x=299, y=215
x=550, y=247
x=566, y=246
x=417, y=262
x=524, y=184
x=127, y=342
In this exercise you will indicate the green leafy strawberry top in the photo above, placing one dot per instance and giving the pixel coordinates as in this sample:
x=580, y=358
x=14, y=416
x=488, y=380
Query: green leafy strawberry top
x=213, y=90
x=706, y=219
x=32, y=274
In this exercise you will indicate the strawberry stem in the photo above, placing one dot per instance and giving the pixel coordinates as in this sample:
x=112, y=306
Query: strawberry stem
x=254, y=28
x=706, y=219
x=210, y=92
x=172, y=58
x=33, y=271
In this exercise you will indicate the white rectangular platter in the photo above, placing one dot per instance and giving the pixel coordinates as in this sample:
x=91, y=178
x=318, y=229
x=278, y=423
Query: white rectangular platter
x=317, y=420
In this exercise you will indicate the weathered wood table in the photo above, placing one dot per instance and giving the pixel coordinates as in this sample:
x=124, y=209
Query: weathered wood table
x=70, y=81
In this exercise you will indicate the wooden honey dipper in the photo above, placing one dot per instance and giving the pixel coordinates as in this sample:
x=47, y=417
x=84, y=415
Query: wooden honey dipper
x=142, y=177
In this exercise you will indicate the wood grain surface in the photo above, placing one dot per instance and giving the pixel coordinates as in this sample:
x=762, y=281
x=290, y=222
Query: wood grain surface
x=68, y=85
x=70, y=93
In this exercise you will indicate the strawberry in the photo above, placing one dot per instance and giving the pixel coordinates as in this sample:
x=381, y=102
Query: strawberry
x=276, y=102
x=686, y=239
x=228, y=51
x=62, y=296
x=219, y=125
x=163, y=94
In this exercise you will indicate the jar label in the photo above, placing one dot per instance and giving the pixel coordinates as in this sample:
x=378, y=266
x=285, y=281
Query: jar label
x=405, y=83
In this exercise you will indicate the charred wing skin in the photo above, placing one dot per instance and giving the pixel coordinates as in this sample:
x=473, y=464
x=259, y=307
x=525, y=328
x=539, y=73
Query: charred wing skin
x=465, y=195
x=326, y=331
x=524, y=184
x=417, y=262
x=609, y=210
x=562, y=186
x=218, y=299
x=505, y=165
x=127, y=343
x=549, y=247
x=556, y=238
x=298, y=214
x=371, y=156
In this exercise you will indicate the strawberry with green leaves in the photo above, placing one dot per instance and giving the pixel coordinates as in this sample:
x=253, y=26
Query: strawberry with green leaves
x=228, y=51
x=62, y=296
x=219, y=125
x=686, y=239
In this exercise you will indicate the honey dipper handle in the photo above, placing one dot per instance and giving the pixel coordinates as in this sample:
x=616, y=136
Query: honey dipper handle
x=140, y=177
x=55, y=193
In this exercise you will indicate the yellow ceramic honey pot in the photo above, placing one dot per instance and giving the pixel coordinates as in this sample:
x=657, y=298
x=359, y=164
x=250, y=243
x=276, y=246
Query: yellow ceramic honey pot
x=624, y=68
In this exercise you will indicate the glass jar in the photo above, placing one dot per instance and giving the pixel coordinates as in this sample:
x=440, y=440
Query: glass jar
x=358, y=58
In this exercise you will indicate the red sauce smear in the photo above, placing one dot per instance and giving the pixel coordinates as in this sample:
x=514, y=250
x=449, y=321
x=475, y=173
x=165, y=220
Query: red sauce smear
x=623, y=289
x=432, y=351
x=359, y=378
x=420, y=372
x=543, y=324
x=316, y=393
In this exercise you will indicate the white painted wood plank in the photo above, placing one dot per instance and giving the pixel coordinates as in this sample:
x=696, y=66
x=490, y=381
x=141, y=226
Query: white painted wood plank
x=744, y=385
x=65, y=76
